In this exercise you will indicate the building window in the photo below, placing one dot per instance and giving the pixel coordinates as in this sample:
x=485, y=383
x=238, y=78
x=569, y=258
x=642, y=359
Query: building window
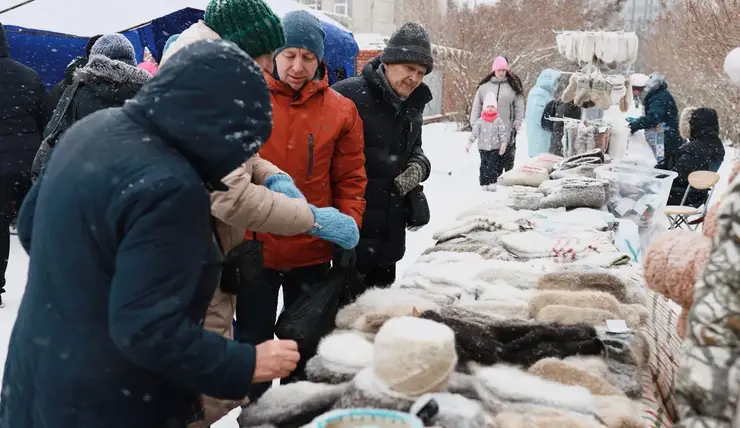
x=313, y=4
x=341, y=7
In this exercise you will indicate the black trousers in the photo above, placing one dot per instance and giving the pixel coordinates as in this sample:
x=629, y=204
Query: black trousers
x=255, y=310
x=378, y=276
x=13, y=189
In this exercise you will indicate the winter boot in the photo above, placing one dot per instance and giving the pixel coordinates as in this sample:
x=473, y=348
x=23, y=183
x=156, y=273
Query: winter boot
x=583, y=87
x=570, y=91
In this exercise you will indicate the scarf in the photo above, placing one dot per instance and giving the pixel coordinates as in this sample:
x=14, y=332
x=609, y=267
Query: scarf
x=489, y=116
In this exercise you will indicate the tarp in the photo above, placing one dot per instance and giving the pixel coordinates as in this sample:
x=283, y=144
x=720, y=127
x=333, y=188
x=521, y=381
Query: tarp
x=47, y=35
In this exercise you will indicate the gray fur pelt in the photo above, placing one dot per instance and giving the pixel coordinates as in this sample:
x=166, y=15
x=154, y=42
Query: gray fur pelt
x=101, y=69
x=367, y=392
x=295, y=404
x=455, y=411
x=316, y=371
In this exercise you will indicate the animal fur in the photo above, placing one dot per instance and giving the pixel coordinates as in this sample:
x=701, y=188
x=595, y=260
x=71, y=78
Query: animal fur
x=377, y=305
x=625, y=356
x=103, y=70
x=552, y=420
x=455, y=411
x=584, y=300
x=618, y=412
x=576, y=315
x=295, y=404
x=560, y=371
x=584, y=281
x=684, y=125
x=318, y=372
x=367, y=391
x=479, y=339
x=498, y=310
x=501, y=384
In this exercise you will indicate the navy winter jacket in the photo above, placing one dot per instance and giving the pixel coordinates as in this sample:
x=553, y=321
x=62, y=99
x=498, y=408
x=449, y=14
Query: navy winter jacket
x=660, y=107
x=123, y=260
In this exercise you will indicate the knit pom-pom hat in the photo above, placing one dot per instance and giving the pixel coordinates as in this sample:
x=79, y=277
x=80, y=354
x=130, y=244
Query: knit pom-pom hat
x=116, y=47
x=414, y=356
x=251, y=24
x=673, y=263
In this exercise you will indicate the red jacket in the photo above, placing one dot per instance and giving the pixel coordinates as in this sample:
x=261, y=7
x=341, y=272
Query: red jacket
x=317, y=138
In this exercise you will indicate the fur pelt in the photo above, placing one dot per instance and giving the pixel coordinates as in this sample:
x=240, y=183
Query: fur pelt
x=500, y=290
x=580, y=281
x=318, y=372
x=565, y=314
x=339, y=357
x=562, y=372
x=541, y=420
x=101, y=69
x=625, y=356
x=377, y=305
x=463, y=384
x=479, y=339
x=631, y=275
x=292, y=405
x=501, y=385
x=581, y=299
x=618, y=412
x=367, y=391
x=500, y=310
x=455, y=411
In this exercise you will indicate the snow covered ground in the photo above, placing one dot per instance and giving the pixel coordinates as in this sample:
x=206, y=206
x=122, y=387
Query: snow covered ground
x=452, y=187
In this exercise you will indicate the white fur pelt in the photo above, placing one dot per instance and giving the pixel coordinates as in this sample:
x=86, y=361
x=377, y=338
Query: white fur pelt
x=377, y=305
x=501, y=385
x=455, y=411
x=471, y=224
x=518, y=274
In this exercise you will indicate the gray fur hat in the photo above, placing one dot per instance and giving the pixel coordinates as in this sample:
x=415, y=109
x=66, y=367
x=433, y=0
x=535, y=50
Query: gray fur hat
x=116, y=47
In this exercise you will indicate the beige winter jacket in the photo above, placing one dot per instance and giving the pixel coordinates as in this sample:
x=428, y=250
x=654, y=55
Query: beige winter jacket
x=248, y=205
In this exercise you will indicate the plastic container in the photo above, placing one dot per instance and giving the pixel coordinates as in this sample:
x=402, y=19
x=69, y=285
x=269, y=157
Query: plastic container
x=366, y=418
x=636, y=193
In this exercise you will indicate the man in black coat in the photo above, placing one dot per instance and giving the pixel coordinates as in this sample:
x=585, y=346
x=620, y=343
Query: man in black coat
x=390, y=96
x=69, y=73
x=24, y=112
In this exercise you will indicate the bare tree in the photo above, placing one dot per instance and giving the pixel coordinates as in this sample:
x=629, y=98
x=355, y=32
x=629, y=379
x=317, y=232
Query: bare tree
x=688, y=44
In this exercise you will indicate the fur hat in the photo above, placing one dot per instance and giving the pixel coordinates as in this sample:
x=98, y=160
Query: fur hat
x=295, y=404
x=673, y=263
x=414, y=356
x=339, y=357
x=684, y=125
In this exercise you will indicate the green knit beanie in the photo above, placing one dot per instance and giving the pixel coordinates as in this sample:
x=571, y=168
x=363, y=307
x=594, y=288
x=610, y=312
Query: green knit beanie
x=251, y=24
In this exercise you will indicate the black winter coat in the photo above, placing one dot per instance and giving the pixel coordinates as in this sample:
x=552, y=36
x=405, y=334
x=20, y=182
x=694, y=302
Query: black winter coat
x=559, y=109
x=69, y=73
x=124, y=262
x=102, y=83
x=24, y=111
x=392, y=142
x=660, y=107
x=703, y=152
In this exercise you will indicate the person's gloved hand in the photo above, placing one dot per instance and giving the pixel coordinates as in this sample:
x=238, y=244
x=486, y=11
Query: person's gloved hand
x=333, y=226
x=631, y=121
x=282, y=183
x=409, y=179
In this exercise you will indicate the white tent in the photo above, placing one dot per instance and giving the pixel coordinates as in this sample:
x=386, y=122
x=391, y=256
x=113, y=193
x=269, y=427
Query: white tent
x=89, y=17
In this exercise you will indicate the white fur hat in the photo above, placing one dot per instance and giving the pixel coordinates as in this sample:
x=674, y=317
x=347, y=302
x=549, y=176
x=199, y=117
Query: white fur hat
x=490, y=100
x=640, y=80
x=732, y=66
x=345, y=352
x=414, y=356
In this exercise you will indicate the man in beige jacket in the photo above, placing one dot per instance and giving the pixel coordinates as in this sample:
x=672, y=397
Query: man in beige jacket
x=247, y=204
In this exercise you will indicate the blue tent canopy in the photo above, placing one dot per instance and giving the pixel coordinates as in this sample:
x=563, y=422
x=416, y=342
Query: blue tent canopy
x=49, y=53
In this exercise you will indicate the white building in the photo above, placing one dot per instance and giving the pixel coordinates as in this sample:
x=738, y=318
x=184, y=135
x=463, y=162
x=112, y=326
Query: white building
x=367, y=16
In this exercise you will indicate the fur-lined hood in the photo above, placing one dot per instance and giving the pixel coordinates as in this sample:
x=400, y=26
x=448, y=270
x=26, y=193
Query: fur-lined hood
x=684, y=122
x=110, y=78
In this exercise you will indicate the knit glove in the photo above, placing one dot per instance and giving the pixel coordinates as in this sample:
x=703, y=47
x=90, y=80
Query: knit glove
x=282, y=183
x=333, y=226
x=409, y=179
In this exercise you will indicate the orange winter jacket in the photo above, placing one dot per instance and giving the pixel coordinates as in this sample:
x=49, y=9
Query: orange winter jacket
x=317, y=139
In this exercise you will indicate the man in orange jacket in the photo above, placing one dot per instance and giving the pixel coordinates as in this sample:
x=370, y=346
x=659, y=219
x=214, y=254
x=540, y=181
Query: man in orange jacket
x=317, y=139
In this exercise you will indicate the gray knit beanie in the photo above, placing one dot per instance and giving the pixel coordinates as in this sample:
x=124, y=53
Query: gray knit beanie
x=409, y=45
x=116, y=47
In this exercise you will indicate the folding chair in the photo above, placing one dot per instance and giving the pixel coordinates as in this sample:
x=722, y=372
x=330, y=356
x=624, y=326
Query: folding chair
x=678, y=215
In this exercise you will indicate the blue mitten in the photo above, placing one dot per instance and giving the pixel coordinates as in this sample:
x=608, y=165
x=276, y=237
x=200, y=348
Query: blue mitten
x=333, y=226
x=282, y=183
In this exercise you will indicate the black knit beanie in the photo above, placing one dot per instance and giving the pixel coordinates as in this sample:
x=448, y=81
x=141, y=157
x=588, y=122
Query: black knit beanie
x=409, y=45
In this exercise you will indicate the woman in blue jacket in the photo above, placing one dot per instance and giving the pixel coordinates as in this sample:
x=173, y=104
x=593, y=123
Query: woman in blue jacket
x=538, y=138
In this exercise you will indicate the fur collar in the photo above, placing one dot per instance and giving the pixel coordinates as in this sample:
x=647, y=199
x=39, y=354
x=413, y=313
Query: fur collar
x=101, y=69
